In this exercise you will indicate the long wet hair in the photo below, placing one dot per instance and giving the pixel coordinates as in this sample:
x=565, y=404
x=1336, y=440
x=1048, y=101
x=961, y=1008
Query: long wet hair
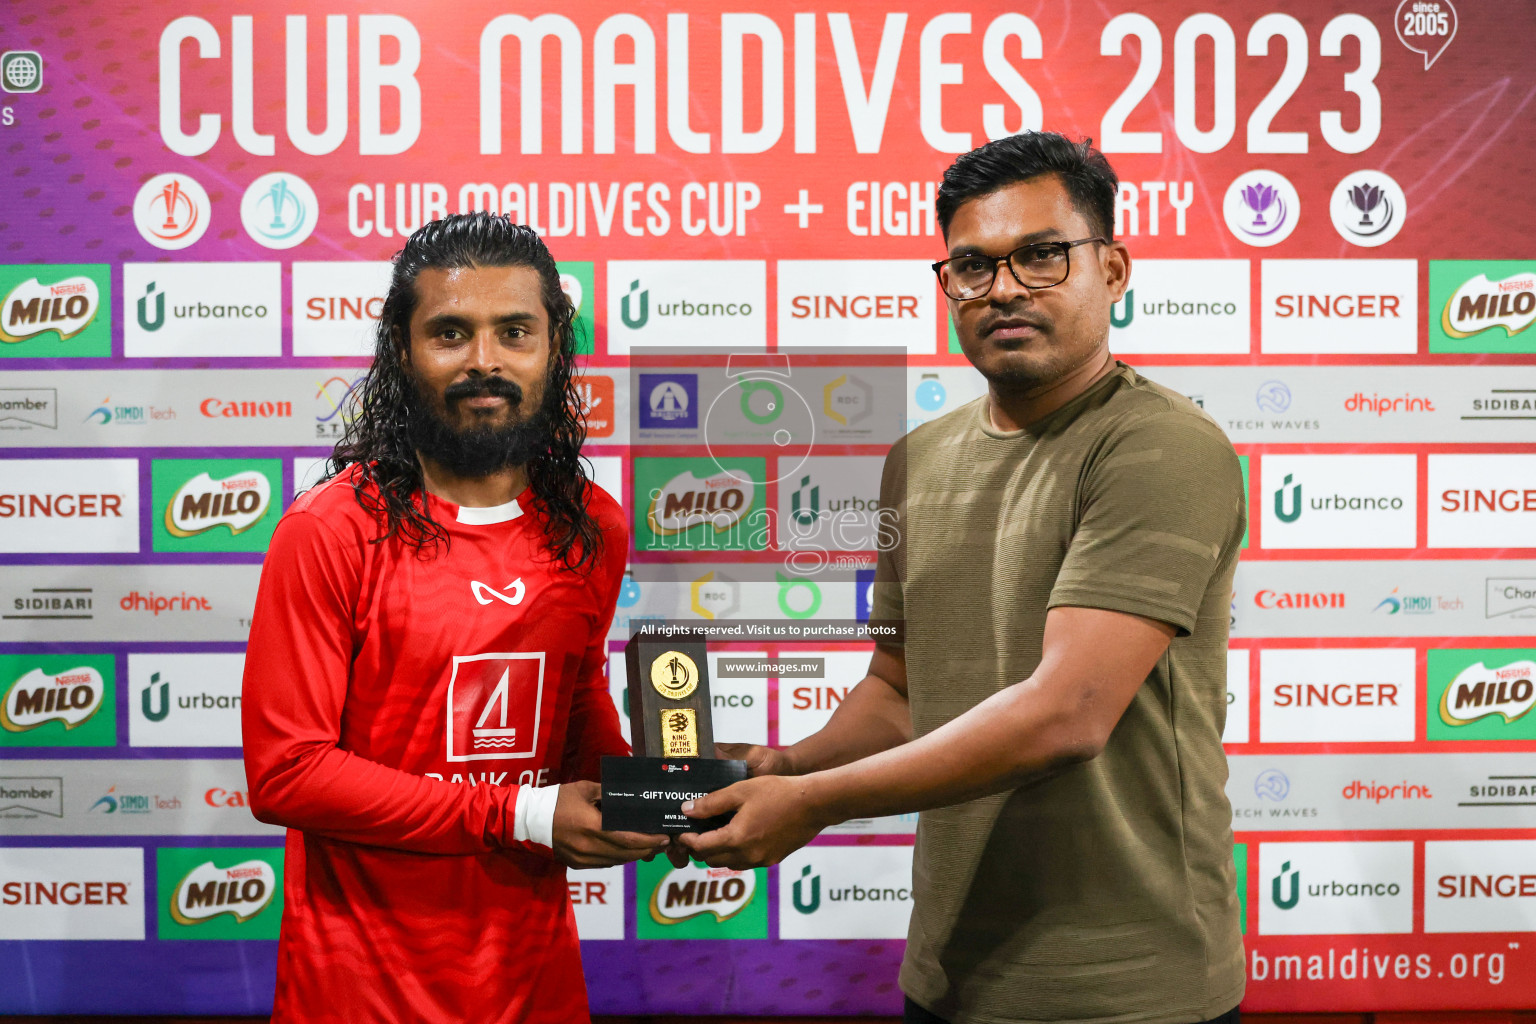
x=388, y=483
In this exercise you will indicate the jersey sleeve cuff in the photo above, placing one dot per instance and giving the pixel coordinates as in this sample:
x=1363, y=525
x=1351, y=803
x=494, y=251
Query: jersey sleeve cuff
x=533, y=820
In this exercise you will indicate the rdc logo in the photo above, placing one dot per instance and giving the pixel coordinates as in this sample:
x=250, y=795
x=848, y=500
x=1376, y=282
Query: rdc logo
x=279, y=210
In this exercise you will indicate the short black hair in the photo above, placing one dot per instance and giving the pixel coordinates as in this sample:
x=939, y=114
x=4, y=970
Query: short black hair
x=1083, y=171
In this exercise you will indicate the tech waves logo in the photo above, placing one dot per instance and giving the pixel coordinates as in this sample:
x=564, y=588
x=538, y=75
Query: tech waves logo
x=685, y=501
x=242, y=891
x=1481, y=304
x=494, y=701
x=1479, y=692
x=695, y=890
x=203, y=503
x=71, y=697
x=65, y=307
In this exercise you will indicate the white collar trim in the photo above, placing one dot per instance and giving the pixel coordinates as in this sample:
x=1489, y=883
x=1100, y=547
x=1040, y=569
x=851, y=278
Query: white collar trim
x=489, y=515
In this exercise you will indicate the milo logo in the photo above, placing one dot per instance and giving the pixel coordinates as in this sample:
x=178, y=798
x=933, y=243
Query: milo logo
x=696, y=890
x=65, y=307
x=202, y=503
x=242, y=891
x=685, y=501
x=71, y=697
x=1480, y=692
x=1482, y=304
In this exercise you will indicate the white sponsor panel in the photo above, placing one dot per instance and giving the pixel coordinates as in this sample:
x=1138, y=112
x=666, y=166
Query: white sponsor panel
x=64, y=506
x=1238, y=669
x=1480, y=886
x=687, y=303
x=1335, y=888
x=1354, y=306
x=806, y=703
x=1337, y=695
x=1183, y=306
x=184, y=700
x=608, y=473
x=597, y=896
x=336, y=306
x=830, y=504
x=202, y=310
x=72, y=893
x=840, y=303
x=846, y=892
x=1338, y=501
x=308, y=470
x=1482, y=501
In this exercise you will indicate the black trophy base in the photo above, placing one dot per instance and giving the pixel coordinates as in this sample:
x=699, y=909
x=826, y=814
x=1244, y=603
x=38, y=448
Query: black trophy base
x=646, y=794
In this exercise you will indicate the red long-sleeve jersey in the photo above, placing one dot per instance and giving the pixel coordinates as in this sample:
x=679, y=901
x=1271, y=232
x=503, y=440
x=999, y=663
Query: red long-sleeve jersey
x=394, y=705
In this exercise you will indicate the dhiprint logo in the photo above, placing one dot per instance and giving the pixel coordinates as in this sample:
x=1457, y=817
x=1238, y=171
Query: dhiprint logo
x=1261, y=208
x=686, y=303
x=494, y=704
x=1368, y=208
x=171, y=211
x=485, y=595
x=1339, y=501
x=279, y=210
x=1336, y=888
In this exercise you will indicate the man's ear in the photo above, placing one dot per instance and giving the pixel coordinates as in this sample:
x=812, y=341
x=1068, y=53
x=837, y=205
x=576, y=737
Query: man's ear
x=402, y=345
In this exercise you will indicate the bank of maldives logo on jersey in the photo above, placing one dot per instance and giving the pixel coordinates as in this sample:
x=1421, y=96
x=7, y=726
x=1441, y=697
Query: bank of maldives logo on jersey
x=494, y=702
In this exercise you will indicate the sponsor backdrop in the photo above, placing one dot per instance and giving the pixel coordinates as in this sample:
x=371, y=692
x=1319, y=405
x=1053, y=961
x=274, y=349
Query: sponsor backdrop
x=1332, y=257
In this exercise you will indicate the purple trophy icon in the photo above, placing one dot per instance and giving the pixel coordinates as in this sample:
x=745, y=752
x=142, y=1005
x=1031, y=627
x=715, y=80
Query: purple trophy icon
x=1366, y=198
x=1258, y=198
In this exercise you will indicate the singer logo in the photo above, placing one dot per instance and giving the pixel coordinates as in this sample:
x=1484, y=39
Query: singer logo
x=494, y=703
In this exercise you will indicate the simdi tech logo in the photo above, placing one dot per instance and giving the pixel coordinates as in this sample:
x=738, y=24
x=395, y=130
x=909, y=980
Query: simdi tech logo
x=699, y=902
x=1481, y=694
x=215, y=504
x=1482, y=305
x=52, y=311
x=60, y=700
x=219, y=893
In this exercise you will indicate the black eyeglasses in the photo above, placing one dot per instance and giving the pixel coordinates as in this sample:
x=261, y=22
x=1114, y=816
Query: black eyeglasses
x=1035, y=265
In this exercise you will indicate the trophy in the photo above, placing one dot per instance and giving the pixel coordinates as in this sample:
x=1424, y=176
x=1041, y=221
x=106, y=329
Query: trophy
x=674, y=744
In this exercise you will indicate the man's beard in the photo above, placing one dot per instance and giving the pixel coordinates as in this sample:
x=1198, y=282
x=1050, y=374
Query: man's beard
x=481, y=448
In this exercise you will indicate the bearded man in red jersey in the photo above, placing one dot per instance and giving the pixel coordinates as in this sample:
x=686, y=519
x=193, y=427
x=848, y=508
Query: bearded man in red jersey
x=425, y=704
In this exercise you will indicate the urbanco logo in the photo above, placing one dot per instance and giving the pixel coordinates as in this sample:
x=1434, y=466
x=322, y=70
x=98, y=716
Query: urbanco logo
x=207, y=310
x=1335, y=888
x=686, y=303
x=839, y=892
x=171, y=211
x=1339, y=501
x=1184, y=306
x=184, y=700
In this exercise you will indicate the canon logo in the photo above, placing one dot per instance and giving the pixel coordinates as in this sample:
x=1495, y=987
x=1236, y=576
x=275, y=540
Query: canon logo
x=218, y=408
x=60, y=506
x=1270, y=600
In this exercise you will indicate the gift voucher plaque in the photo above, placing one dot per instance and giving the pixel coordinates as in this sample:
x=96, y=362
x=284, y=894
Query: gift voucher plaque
x=674, y=743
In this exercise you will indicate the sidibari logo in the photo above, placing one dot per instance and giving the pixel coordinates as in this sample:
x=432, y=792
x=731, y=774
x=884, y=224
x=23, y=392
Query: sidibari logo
x=202, y=503
x=65, y=307
x=686, y=501
x=241, y=891
x=1481, y=305
x=1479, y=692
x=694, y=890
x=71, y=697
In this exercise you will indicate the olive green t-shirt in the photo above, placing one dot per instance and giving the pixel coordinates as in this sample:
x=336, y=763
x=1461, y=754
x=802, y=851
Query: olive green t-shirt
x=1104, y=892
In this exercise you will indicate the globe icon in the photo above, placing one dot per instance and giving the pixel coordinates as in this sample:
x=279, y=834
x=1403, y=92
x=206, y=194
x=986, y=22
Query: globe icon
x=21, y=73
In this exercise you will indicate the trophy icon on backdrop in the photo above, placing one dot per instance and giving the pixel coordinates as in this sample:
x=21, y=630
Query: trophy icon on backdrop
x=1259, y=198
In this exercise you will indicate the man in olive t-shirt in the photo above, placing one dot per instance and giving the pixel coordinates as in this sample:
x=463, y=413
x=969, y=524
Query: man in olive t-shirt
x=1064, y=567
